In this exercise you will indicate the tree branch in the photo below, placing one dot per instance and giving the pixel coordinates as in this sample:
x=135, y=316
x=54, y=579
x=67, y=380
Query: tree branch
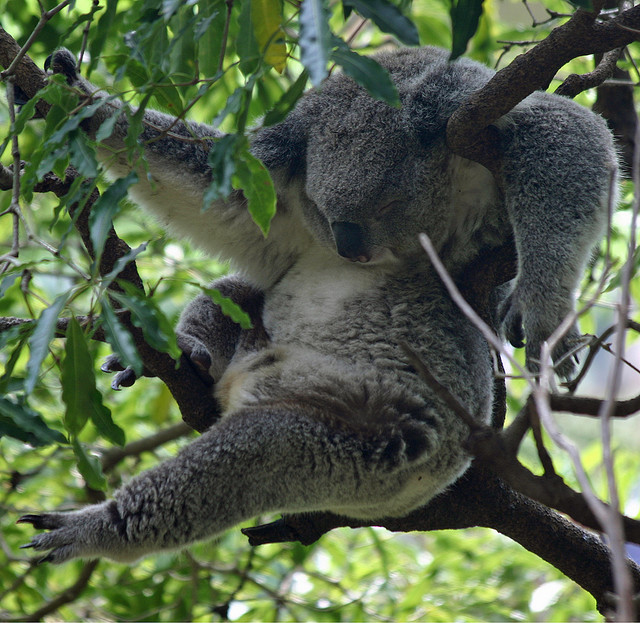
x=187, y=387
x=480, y=499
x=468, y=131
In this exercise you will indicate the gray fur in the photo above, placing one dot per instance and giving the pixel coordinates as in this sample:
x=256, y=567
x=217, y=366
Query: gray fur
x=320, y=409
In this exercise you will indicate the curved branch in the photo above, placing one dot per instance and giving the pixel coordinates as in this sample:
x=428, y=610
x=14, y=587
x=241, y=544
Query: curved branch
x=575, y=83
x=468, y=131
x=480, y=499
x=69, y=595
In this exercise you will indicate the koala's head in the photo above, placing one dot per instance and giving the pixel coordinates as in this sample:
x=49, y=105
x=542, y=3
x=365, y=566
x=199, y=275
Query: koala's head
x=371, y=177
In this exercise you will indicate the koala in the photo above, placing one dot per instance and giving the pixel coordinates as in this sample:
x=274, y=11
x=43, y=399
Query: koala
x=320, y=410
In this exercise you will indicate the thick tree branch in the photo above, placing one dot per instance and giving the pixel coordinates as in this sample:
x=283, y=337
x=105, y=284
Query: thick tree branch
x=28, y=76
x=469, y=133
x=186, y=386
x=480, y=499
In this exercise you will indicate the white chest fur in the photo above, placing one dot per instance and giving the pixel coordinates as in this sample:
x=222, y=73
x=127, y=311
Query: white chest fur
x=314, y=291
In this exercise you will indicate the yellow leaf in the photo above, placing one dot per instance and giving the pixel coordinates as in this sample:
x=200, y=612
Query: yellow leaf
x=266, y=18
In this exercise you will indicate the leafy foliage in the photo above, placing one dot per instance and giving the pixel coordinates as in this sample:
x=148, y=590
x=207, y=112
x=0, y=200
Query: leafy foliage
x=226, y=63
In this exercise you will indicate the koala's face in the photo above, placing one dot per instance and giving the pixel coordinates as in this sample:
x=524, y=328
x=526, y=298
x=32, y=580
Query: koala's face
x=371, y=184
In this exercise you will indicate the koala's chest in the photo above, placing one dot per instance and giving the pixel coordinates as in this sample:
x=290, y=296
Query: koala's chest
x=314, y=293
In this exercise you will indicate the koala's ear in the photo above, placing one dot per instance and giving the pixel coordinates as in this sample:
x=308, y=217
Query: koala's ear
x=424, y=114
x=282, y=146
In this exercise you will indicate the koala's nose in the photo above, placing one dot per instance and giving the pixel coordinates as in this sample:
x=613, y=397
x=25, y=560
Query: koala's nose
x=349, y=239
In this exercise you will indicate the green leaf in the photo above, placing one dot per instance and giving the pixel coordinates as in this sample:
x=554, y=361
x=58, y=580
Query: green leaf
x=366, y=72
x=40, y=339
x=254, y=180
x=228, y=307
x=106, y=128
x=246, y=44
x=234, y=104
x=7, y=282
x=100, y=33
x=288, y=100
x=388, y=18
x=89, y=466
x=76, y=366
x=79, y=391
x=120, y=264
x=10, y=364
x=104, y=211
x=82, y=155
x=148, y=316
x=167, y=95
x=19, y=421
x=465, y=17
x=315, y=39
x=223, y=166
x=208, y=34
x=26, y=113
x=120, y=339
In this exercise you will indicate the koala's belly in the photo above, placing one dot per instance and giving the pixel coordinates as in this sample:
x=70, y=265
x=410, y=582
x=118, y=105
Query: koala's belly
x=273, y=374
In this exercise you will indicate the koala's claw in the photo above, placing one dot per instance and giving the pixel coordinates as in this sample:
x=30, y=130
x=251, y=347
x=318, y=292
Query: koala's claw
x=511, y=321
x=61, y=542
x=62, y=62
x=112, y=364
x=196, y=352
x=39, y=522
x=125, y=377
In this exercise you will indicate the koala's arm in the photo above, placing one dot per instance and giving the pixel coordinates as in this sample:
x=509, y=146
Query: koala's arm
x=559, y=168
x=174, y=174
x=254, y=461
x=207, y=336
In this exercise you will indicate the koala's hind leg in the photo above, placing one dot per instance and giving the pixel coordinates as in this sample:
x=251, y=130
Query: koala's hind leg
x=254, y=461
x=209, y=337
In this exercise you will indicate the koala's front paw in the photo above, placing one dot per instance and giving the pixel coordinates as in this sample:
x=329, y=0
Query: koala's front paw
x=125, y=377
x=196, y=351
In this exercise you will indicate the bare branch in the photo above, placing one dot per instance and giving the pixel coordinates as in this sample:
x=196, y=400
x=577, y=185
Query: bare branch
x=114, y=455
x=575, y=83
x=67, y=596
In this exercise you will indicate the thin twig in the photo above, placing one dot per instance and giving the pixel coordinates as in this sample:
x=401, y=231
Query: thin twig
x=468, y=311
x=225, y=35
